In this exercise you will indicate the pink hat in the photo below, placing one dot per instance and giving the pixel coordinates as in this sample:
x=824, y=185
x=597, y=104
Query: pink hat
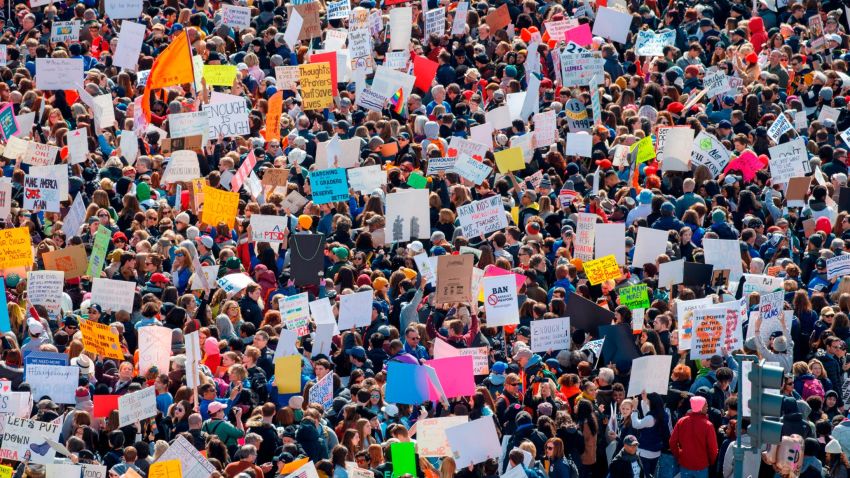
x=211, y=346
x=697, y=404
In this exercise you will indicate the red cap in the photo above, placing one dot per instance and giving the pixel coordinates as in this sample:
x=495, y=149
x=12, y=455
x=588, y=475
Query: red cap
x=159, y=278
x=604, y=163
x=119, y=235
x=675, y=108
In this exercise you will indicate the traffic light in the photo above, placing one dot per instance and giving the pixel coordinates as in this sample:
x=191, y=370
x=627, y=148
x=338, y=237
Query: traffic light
x=765, y=404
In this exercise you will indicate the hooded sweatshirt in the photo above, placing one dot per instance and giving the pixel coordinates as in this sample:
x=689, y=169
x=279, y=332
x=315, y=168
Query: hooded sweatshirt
x=432, y=131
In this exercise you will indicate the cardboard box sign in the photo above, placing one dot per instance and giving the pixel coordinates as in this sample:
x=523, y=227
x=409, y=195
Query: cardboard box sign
x=194, y=143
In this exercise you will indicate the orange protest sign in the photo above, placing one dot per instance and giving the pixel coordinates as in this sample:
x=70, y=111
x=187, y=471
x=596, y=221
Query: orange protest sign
x=100, y=339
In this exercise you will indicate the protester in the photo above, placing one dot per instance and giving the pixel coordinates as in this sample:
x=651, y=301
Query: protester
x=269, y=239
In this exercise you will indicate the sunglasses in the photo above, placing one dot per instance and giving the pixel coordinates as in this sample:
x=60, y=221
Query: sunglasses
x=178, y=254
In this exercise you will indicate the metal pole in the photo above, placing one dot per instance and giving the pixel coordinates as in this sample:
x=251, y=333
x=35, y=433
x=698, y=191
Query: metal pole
x=739, y=450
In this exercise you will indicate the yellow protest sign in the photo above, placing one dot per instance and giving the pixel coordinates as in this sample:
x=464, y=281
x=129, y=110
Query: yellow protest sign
x=15, y=248
x=509, y=160
x=287, y=374
x=316, y=88
x=645, y=150
x=602, y=269
x=219, y=206
x=100, y=339
x=166, y=469
x=220, y=75
x=6, y=471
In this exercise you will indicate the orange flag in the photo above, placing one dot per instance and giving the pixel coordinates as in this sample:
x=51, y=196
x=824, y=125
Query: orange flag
x=273, y=116
x=172, y=67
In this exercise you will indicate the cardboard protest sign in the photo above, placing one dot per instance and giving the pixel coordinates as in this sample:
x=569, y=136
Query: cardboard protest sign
x=650, y=43
x=113, y=295
x=685, y=310
x=608, y=240
x=587, y=315
x=323, y=391
x=602, y=269
x=5, y=199
x=798, y=189
x=454, y=278
x=736, y=313
x=482, y=217
x=612, y=24
x=220, y=75
x=647, y=377
x=634, y=296
x=649, y=245
x=228, y=116
x=355, y=310
x=236, y=16
x=100, y=339
x=136, y=406
x=129, y=45
x=675, y=145
x=165, y=469
x=192, y=463
x=788, y=160
x=45, y=288
x=9, y=122
x=724, y=254
x=470, y=169
x=708, y=151
x=406, y=383
x=26, y=440
x=118, y=9
x=708, y=332
x=499, y=18
x=41, y=194
x=697, y=274
x=219, y=206
x=431, y=440
x=456, y=376
x=55, y=381
x=183, y=166
x=500, y=300
x=838, y=266
x=329, y=185
x=154, y=348
x=316, y=89
x=18, y=404
x=550, y=334
x=15, y=248
x=267, y=228
x=367, y=178
x=407, y=215
x=619, y=345
x=58, y=73
x=474, y=442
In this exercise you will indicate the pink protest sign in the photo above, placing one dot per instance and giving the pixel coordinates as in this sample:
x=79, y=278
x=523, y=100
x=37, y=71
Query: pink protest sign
x=580, y=35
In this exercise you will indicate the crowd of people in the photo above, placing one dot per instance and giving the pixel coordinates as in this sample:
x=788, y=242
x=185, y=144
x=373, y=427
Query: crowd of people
x=557, y=413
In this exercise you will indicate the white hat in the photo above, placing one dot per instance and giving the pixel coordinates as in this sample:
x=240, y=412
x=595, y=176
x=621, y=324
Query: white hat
x=85, y=364
x=35, y=326
x=415, y=247
x=833, y=446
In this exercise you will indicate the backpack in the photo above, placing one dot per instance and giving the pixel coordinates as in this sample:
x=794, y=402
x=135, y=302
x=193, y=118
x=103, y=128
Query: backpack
x=811, y=387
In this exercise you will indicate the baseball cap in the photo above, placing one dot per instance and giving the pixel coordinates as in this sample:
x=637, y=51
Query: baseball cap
x=216, y=407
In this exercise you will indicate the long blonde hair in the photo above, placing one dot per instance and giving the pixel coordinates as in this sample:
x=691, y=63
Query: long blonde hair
x=448, y=467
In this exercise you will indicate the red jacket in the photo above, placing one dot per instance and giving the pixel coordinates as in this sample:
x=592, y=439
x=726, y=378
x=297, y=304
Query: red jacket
x=694, y=442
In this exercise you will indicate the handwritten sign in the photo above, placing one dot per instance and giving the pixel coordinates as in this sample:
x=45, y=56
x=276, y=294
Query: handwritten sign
x=550, y=334
x=15, y=248
x=634, y=297
x=136, y=406
x=602, y=269
x=100, y=339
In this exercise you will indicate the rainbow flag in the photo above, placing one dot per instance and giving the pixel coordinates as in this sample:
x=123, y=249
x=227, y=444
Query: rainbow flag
x=398, y=101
